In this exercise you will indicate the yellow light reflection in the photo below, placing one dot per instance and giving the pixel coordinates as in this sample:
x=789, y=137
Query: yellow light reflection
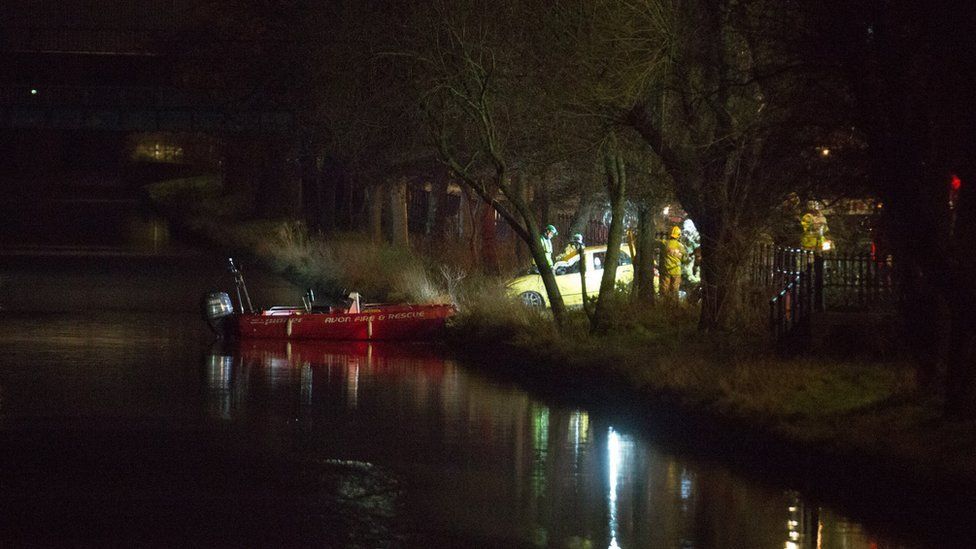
x=579, y=429
x=799, y=524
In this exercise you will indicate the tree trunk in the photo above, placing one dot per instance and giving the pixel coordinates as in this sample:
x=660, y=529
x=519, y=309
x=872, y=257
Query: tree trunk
x=438, y=206
x=310, y=193
x=281, y=184
x=489, y=244
x=960, y=382
x=646, y=257
x=520, y=189
x=583, y=215
x=399, y=230
x=616, y=182
x=590, y=312
x=376, y=198
x=329, y=181
x=347, y=212
x=468, y=217
x=961, y=400
x=541, y=201
x=548, y=278
x=722, y=256
x=529, y=232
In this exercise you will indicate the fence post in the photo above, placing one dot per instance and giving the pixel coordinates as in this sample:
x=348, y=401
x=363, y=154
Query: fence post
x=818, y=282
x=862, y=283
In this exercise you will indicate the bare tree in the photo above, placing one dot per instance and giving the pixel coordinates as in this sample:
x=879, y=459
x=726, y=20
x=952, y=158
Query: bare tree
x=479, y=110
x=718, y=100
x=616, y=184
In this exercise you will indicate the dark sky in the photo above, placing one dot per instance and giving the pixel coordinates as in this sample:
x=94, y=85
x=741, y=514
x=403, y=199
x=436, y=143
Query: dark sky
x=120, y=14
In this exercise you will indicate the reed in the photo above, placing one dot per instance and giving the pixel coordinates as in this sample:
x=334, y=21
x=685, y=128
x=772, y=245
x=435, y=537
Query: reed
x=341, y=263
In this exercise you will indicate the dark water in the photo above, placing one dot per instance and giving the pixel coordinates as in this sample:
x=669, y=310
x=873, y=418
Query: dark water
x=130, y=427
x=64, y=221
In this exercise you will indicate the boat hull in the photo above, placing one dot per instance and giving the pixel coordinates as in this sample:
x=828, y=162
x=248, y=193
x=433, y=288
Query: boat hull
x=396, y=322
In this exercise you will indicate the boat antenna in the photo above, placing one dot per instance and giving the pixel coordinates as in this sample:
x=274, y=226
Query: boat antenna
x=241, y=287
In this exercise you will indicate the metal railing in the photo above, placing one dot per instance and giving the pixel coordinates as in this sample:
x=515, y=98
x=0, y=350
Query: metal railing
x=790, y=310
x=856, y=282
x=814, y=282
x=773, y=267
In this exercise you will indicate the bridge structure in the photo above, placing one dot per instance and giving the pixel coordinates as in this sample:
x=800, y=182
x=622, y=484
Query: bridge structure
x=133, y=109
x=122, y=80
x=87, y=87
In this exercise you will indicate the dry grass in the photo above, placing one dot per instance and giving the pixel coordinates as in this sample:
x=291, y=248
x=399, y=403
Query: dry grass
x=487, y=314
x=659, y=349
x=348, y=262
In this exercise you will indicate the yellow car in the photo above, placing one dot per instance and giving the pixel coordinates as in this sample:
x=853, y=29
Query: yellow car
x=531, y=291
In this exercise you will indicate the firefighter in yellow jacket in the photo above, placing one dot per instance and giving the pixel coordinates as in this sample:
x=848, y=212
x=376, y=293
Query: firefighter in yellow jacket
x=672, y=255
x=814, y=226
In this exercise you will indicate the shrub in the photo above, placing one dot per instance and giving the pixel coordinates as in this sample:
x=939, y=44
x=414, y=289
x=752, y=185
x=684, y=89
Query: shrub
x=348, y=262
x=486, y=313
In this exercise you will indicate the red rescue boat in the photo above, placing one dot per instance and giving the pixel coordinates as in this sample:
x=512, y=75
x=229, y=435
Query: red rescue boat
x=351, y=321
x=372, y=322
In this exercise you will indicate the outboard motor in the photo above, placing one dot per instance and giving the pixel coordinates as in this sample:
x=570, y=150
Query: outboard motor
x=217, y=309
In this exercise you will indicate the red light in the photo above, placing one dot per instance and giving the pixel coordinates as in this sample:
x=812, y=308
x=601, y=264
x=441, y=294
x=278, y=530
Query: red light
x=956, y=183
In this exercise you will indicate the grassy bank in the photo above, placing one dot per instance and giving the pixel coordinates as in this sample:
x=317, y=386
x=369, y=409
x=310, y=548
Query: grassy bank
x=840, y=405
x=835, y=398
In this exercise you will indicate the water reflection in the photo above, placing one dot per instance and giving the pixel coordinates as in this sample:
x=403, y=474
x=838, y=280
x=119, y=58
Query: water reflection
x=219, y=373
x=614, y=456
x=487, y=462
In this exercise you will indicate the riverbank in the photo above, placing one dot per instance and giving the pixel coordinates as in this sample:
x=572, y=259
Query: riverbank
x=854, y=423
x=837, y=427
